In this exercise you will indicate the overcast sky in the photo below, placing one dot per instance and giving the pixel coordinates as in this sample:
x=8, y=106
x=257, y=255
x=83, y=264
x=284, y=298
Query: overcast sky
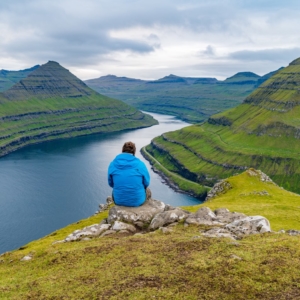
x=150, y=39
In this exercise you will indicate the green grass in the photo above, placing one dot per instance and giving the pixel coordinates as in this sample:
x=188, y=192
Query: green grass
x=280, y=207
x=181, y=265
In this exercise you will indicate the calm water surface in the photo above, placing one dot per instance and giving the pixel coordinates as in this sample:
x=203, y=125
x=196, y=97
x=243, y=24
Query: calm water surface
x=48, y=186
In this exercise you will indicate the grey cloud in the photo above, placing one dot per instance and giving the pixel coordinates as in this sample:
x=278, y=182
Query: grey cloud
x=276, y=55
x=209, y=51
x=77, y=32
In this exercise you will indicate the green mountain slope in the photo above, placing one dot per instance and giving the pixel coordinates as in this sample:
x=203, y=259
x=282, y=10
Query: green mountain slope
x=9, y=78
x=52, y=103
x=263, y=132
x=191, y=99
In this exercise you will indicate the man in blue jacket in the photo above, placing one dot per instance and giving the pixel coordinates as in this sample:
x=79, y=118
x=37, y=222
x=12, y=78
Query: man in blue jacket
x=129, y=177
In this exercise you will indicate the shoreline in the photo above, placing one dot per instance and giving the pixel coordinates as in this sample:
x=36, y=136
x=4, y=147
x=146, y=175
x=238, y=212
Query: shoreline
x=171, y=182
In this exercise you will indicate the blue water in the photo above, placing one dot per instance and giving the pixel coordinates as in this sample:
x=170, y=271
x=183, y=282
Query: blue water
x=47, y=186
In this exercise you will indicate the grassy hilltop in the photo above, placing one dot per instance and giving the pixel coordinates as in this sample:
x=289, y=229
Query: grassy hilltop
x=190, y=99
x=180, y=265
x=263, y=132
x=52, y=103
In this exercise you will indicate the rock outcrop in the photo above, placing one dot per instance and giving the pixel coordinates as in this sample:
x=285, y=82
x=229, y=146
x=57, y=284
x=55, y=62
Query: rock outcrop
x=144, y=213
x=154, y=215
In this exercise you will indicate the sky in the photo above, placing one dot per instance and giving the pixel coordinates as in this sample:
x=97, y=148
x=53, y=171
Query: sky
x=150, y=39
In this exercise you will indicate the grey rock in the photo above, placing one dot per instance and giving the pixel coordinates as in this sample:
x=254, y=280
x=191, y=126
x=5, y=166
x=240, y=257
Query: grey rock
x=86, y=239
x=262, y=176
x=89, y=231
x=219, y=233
x=219, y=188
x=165, y=230
x=249, y=225
x=104, y=221
x=108, y=232
x=281, y=231
x=103, y=207
x=102, y=228
x=139, y=224
x=203, y=216
x=173, y=224
x=293, y=232
x=143, y=213
x=169, y=207
x=123, y=231
x=26, y=258
x=167, y=217
x=123, y=226
x=233, y=256
x=223, y=215
x=109, y=200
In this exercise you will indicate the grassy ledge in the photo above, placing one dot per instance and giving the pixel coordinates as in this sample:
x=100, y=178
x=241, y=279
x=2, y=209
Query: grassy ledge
x=175, y=180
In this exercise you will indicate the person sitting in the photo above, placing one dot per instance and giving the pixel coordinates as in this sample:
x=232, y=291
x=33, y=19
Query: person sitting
x=129, y=178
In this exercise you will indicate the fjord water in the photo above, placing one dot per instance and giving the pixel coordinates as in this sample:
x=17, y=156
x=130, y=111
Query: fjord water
x=47, y=186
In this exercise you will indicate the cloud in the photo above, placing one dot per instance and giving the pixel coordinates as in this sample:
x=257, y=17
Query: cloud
x=273, y=55
x=209, y=51
x=142, y=38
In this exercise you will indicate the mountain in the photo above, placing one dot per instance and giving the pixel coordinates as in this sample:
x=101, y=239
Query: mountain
x=169, y=79
x=263, y=132
x=189, y=98
x=52, y=103
x=9, y=78
x=243, y=78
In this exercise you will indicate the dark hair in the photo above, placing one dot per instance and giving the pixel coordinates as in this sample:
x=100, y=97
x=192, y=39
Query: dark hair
x=129, y=147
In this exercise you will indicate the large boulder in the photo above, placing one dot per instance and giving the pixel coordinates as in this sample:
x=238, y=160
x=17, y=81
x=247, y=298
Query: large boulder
x=224, y=216
x=203, y=216
x=144, y=213
x=249, y=225
x=168, y=217
x=118, y=226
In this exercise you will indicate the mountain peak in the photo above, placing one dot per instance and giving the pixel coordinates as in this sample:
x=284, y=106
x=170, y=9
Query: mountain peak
x=295, y=62
x=49, y=80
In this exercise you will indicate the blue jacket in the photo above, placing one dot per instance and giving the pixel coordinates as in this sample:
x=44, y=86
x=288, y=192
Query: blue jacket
x=129, y=178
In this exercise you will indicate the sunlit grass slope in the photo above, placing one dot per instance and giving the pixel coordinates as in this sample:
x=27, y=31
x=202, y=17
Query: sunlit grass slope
x=180, y=265
x=250, y=195
x=263, y=132
x=52, y=103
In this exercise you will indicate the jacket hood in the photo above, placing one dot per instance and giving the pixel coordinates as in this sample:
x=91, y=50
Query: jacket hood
x=125, y=161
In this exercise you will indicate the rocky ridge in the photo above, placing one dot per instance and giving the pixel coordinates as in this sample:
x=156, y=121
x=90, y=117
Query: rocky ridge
x=156, y=215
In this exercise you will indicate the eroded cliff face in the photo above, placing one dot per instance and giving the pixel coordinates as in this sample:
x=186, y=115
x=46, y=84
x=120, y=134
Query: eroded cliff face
x=52, y=103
